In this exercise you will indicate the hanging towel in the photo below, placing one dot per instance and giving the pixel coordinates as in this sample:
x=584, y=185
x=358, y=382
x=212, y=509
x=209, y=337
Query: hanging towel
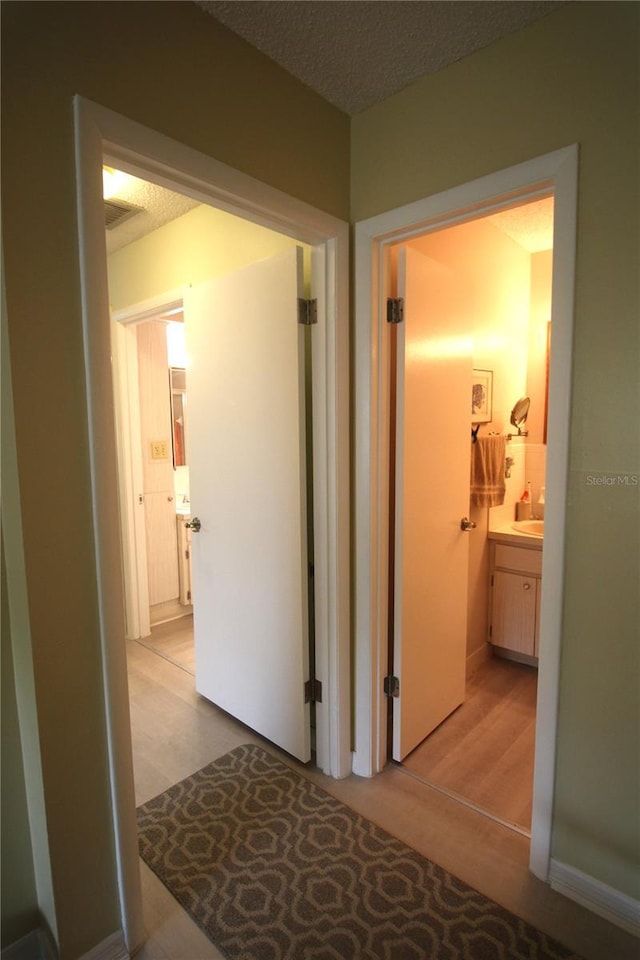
x=487, y=471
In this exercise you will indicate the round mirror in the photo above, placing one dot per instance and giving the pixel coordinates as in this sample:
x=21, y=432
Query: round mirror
x=520, y=412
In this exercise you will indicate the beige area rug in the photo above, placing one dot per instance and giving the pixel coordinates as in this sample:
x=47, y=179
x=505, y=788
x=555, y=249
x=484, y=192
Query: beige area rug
x=270, y=866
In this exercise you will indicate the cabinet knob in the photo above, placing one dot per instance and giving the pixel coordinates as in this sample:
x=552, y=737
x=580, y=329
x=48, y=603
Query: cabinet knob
x=526, y=586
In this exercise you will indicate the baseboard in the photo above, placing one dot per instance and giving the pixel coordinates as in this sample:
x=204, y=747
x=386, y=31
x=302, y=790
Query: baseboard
x=35, y=945
x=477, y=658
x=169, y=610
x=618, y=908
x=111, y=948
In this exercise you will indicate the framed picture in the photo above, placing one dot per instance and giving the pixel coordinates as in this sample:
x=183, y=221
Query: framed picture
x=481, y=396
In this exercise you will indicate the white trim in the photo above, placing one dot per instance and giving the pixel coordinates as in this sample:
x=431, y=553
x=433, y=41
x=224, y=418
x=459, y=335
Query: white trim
x=104, y=135
x=35, y=945
x=111, y=948
x=132, y=529
x=554, y=172
x=127, y=415
x=598, y=897
x=130, y=483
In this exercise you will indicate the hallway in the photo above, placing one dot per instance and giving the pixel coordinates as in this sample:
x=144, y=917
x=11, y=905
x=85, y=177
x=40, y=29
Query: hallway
x=175, y=732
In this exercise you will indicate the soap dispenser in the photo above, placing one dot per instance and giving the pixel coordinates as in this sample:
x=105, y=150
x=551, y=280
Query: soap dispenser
x=523, y=506
x=539, y=509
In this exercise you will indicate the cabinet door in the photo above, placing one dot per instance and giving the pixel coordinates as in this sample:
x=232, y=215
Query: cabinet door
x=514, y=612
x=162, y=546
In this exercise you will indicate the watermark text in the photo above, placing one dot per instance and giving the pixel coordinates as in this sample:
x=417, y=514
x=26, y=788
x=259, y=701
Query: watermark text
x=613, y=479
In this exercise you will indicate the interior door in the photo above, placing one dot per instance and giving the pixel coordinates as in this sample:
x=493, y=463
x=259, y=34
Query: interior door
x=433, y=384
x=248, y=488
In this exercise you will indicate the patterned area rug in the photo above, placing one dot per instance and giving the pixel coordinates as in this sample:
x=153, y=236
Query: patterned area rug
x=271, y=867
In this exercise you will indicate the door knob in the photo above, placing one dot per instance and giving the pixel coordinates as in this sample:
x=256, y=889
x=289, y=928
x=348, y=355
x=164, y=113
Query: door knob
x=466, y=524
x=193, y=524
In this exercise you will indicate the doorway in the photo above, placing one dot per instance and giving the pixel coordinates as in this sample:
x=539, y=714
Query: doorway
x=250, y=465
x=554, y=173
x=103, y=135
x=476, y=298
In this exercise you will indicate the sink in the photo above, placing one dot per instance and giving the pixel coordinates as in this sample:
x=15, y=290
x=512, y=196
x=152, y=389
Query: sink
x=533, y=528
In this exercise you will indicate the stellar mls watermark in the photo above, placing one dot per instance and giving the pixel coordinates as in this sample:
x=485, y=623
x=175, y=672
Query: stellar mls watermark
x=613, y=479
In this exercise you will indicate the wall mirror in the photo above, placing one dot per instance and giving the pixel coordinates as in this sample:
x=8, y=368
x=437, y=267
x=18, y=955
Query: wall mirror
x=178, y=392
x=519, y=415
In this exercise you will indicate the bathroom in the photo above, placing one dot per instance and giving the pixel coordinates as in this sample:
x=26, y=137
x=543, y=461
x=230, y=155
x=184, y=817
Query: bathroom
x=502, y=265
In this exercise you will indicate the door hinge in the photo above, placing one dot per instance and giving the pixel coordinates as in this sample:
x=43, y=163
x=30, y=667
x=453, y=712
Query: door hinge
x=307, y=312
x=186, y=554
x=490, y=629
x=395, y=309
x=313, y=691
x=188, y=594
x=391, y=686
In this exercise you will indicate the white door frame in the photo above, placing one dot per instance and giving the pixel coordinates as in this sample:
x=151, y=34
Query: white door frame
x=555, y=172
x=130, y=482
x=102, y=135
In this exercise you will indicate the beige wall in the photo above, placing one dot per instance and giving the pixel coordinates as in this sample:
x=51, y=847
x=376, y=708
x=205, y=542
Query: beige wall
x=20, y=908
x=570, y=78
x=170, y=67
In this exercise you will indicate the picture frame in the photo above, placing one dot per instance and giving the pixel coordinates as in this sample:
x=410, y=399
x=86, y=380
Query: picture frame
x=481, y=396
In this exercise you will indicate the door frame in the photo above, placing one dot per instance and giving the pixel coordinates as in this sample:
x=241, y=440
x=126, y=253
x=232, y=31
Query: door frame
x=102, y=135
x=556, y=173
x=124, y=347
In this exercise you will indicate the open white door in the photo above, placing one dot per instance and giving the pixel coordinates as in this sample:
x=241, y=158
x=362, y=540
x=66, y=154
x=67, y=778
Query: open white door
x=248, y=489
x=433, y=384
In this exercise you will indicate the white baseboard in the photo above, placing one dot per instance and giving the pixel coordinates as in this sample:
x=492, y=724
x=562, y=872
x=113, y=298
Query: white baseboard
x=618, y=908
x=34, y=946
x=112, y=948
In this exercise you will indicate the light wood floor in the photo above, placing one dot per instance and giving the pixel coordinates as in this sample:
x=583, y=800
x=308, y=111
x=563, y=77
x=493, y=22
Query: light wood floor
x=484, y=751
x=175, y=732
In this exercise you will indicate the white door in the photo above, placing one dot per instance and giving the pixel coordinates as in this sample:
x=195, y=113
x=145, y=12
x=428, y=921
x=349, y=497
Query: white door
x=248, y=489
x=433, y=390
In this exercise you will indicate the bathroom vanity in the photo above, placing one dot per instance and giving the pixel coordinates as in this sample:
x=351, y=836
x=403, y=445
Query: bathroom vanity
x=515, y=565
x=184, y=557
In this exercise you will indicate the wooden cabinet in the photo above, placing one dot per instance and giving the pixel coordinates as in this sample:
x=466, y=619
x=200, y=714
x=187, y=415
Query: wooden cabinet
x=515, y=600
x=184, y=559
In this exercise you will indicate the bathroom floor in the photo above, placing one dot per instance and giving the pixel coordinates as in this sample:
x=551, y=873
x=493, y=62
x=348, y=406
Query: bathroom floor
x=484, y=752
x=173, y=640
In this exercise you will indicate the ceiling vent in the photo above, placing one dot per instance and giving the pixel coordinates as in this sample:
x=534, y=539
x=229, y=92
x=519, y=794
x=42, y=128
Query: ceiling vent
x=116, y=212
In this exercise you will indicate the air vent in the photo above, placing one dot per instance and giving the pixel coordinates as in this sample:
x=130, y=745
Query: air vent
x=116, y=212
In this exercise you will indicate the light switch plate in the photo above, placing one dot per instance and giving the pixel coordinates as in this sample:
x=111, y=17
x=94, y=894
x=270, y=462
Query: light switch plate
x=158, y=449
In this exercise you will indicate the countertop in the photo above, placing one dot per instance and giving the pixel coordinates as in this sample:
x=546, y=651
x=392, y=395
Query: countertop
x=506, y=534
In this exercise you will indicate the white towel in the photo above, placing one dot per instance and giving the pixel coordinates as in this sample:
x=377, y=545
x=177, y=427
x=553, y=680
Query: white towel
x=487, y=471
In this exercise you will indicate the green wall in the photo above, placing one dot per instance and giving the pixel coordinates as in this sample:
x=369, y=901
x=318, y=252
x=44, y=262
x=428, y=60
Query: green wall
x=572, y=77
x=202, y=244
x=170, y=67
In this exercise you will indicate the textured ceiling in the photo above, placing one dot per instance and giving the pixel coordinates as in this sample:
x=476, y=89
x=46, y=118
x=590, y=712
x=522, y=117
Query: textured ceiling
x=530, y=225
x=355, y=53
x=157, y=206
